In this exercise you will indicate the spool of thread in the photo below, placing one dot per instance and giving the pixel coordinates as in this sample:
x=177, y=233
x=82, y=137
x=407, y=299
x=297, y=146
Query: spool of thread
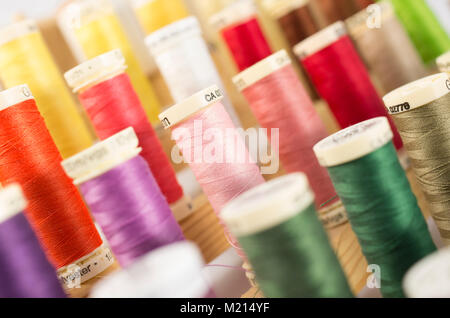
x=173, y=271
x=362, y=4
x=25, y=58
x=443, y=62
x=277, y=226
x=429, y=277
x=419, y=110
x=56, y=210
x=387, y=49
x=424, y=29
x=24, y=269
x=279, y=101
x=156, y=14
x=239, y=27
x=332, y=11
x=441, y=9
x=380, y=204
x=341, y=78
x=108, y=96
x=183, y=58
x=294, y=17
x=212, y=146
x=98, y=30
x=123, y=196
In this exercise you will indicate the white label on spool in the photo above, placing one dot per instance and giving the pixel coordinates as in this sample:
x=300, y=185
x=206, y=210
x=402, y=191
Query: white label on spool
x=14, y=96
x=333, y=216
x=72, y=276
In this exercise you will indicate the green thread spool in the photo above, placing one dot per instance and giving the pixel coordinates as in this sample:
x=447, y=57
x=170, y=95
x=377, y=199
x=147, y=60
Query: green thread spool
x=381, y=207
x=277, y=226
x=424, y=29
x=420, y=111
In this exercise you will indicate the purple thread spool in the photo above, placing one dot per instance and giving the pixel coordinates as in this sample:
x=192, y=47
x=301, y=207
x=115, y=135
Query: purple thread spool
x=173, y=271
x=124, y=197
x=25, y=271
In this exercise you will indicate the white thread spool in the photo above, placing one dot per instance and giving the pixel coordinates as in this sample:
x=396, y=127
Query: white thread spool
x=183, y=58
x=174, y=271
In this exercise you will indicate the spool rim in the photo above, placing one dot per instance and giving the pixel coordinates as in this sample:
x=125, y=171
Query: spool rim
x=279, y=8
x=234, y=13
x=261, y=69
x=14, y=95
x=95, y=70
x=268, y=205
x=16, y=30
x=171, y=34
x=354, y=142
x=12, y=202
x=417, y=94
x=102, y=157
x=320, y=40
x=443, y=62
x=181, y=111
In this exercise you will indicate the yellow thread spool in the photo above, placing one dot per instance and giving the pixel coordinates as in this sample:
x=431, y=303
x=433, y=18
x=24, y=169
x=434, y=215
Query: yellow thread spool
x=155, y=14
x=98, y=30
x=25, y=58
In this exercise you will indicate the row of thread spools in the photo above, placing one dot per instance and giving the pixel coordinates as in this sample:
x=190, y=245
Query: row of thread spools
x=104, y=90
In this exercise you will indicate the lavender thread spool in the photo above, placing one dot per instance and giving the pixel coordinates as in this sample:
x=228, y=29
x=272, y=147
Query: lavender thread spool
x=25, y=271
x=174, y=271
x=124, y=197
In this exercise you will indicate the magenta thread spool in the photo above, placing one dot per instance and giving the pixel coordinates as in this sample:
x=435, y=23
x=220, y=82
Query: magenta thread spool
x=174, y=271
x=25, y=271
x=123, y=196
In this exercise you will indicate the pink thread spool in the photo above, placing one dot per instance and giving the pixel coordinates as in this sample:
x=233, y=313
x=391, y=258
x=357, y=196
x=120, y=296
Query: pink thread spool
x=279, y=101
x=212, y=146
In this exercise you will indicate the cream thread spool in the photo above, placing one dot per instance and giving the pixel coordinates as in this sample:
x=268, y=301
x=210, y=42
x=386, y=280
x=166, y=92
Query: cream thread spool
x=183, y=57
x=443, y=62
x=101, y=69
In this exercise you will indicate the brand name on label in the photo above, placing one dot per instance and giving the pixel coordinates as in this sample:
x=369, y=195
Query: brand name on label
x=213, y=95
x=399, y=108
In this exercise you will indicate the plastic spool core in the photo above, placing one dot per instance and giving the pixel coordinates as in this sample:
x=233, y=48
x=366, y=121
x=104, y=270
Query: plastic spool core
x=354, y=142
x=268, y=205
x=102, y=157
x=96, y=70
x=175, y=270
x=234, y=13
x=279, y=8
x=417, y=94
x=12, y=202
x=320, y=40
x=17, y=30
x=190, y=106
x=14, y=96
x=170, y=35
x=261, y=69
x=430, y=277
x=443, y=62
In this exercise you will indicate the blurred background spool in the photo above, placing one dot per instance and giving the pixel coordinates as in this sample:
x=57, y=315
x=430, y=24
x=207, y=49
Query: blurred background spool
x=97, y=29
x=24, y=269
x=441, y=9
x=24, y=58
x=160, y=274
x=239, y=27
x=427, y=34
x=429, y=278
x=278, y=228
x=331, y=11
x=221, y=162
x=367, y=175
x=156, y=14
x=443, y=62
x=362, y=4
x=183, y=58
x=341, y=78
x=386, y=47
x=419, y=110
x=56, y=210
x=123, y=196
x=106, y=93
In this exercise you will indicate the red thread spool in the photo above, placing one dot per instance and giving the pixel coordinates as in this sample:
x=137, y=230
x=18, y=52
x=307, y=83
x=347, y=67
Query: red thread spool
x=279, y=101
x=29, y=157
x=340, y=77
x=107, y=95
x=242, y=33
